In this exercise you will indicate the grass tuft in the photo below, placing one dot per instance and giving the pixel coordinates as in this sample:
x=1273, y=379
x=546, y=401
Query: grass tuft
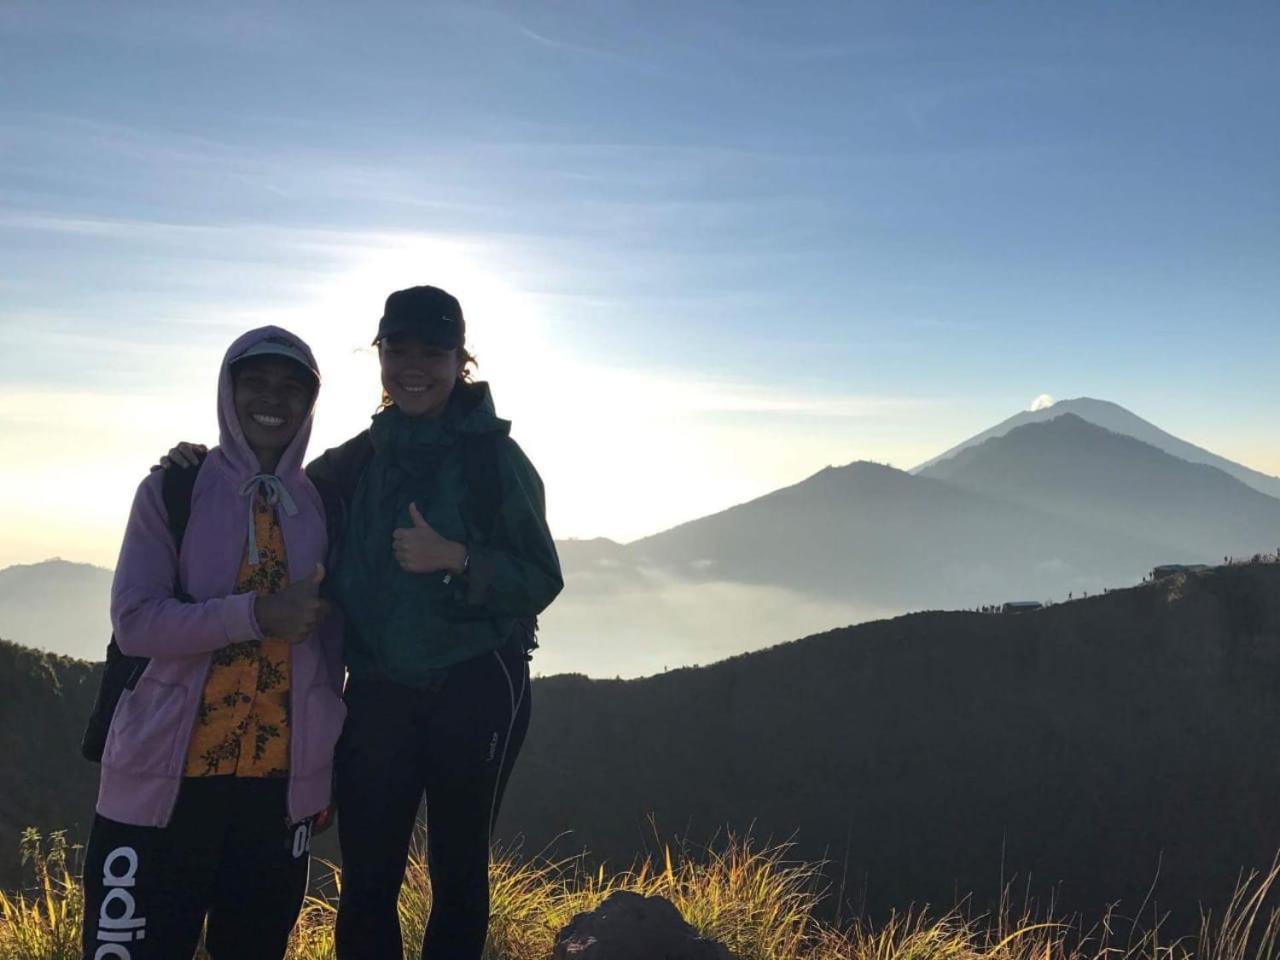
x=43, y=922
x=756, y=899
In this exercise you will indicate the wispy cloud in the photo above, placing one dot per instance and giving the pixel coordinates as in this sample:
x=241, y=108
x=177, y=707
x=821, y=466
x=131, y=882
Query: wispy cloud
x=673, y=394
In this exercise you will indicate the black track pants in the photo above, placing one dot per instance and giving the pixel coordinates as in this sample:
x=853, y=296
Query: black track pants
x=456, y=745
x=228, y=852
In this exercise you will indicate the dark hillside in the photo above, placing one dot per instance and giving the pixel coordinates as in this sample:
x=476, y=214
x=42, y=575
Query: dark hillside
x=1085, y=745
x=44, y=782
x=1089, y=744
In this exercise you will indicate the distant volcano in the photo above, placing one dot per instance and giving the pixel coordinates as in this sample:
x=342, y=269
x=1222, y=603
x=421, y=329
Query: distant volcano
x=1117, y=419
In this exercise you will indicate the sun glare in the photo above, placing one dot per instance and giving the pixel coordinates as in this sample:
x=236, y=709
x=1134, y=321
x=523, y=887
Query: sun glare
x=624, y=451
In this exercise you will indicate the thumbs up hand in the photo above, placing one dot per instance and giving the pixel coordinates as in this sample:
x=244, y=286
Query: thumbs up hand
x=416, y=517
x=292, y=613
x=419, y=549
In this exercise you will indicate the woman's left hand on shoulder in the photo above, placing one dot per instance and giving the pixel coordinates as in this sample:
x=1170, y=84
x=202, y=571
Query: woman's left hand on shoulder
x=420, y=549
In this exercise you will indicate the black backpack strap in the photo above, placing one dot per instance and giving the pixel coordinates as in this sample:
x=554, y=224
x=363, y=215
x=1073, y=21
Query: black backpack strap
x=122, y=672
x=482, y=506
x=178, y=486
x=336, y=474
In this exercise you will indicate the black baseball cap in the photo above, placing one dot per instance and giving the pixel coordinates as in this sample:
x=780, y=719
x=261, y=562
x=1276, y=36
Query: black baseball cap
x=427, y=312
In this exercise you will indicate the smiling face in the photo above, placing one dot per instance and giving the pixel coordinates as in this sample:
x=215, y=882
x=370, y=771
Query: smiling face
x=418, y=377
x=272, y=397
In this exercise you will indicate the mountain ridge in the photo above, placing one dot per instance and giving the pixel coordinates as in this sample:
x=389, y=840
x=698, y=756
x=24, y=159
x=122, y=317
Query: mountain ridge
x=1118, y=419
x=1074, y=468
x=908, y=530
x=60, y=601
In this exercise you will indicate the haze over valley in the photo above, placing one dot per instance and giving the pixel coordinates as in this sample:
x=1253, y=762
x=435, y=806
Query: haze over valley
x=1075, y=498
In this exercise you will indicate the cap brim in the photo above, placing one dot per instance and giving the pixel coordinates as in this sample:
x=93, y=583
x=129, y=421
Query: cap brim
x=269, y=348
x=423, y=331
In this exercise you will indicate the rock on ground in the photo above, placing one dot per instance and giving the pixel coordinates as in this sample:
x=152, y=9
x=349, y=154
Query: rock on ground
x=628, y=926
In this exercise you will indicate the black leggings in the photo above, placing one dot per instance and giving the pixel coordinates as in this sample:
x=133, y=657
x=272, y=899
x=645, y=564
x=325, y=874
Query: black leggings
x=455, y=744
x=229, y=852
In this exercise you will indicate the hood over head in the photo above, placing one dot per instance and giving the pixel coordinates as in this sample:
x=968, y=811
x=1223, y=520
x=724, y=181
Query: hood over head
x=238, y=455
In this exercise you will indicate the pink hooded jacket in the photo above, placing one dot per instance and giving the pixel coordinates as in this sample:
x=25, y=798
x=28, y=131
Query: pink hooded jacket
x=146, y=748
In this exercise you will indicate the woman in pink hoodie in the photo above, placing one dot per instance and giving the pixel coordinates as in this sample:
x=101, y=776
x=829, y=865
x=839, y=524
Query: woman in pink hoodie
x=220, y=757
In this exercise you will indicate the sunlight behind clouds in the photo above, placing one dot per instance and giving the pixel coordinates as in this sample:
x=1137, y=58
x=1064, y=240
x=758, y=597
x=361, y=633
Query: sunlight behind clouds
x=624, y=451
x=338, y=315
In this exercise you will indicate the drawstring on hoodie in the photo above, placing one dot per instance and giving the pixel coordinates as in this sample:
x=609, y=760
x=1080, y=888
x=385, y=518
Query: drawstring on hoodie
x=276, y=493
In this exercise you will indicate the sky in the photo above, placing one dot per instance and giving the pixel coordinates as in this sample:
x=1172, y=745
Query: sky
x=705, y=249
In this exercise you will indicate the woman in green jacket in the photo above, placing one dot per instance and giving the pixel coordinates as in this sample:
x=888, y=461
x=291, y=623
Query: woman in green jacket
x=443, y=566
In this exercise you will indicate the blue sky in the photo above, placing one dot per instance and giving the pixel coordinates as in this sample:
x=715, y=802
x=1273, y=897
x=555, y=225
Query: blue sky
x=706, y=248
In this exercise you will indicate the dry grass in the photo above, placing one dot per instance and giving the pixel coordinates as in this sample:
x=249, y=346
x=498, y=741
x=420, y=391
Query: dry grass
x=759, y=902
x=44, y=923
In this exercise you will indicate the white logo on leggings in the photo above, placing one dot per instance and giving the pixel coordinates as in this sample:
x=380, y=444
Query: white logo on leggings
x=302, y=838
x=118, y=924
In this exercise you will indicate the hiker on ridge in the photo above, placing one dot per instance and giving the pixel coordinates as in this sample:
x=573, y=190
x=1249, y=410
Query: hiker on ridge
x=219, y=753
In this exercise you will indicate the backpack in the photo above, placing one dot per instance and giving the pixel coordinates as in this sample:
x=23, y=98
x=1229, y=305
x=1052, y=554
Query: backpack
x=122, y=672
x=346, y=465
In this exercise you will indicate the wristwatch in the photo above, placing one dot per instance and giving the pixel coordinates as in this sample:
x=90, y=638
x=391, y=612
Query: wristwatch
x=466, y=565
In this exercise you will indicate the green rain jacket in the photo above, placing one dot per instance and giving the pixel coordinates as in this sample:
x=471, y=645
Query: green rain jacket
x=409, y=627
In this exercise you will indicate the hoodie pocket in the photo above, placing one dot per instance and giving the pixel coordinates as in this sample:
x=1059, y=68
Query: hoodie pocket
x=322, y=724
x=145, y=728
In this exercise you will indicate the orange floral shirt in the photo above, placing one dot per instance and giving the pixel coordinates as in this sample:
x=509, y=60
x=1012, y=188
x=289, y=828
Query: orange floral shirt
x=243, y=724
